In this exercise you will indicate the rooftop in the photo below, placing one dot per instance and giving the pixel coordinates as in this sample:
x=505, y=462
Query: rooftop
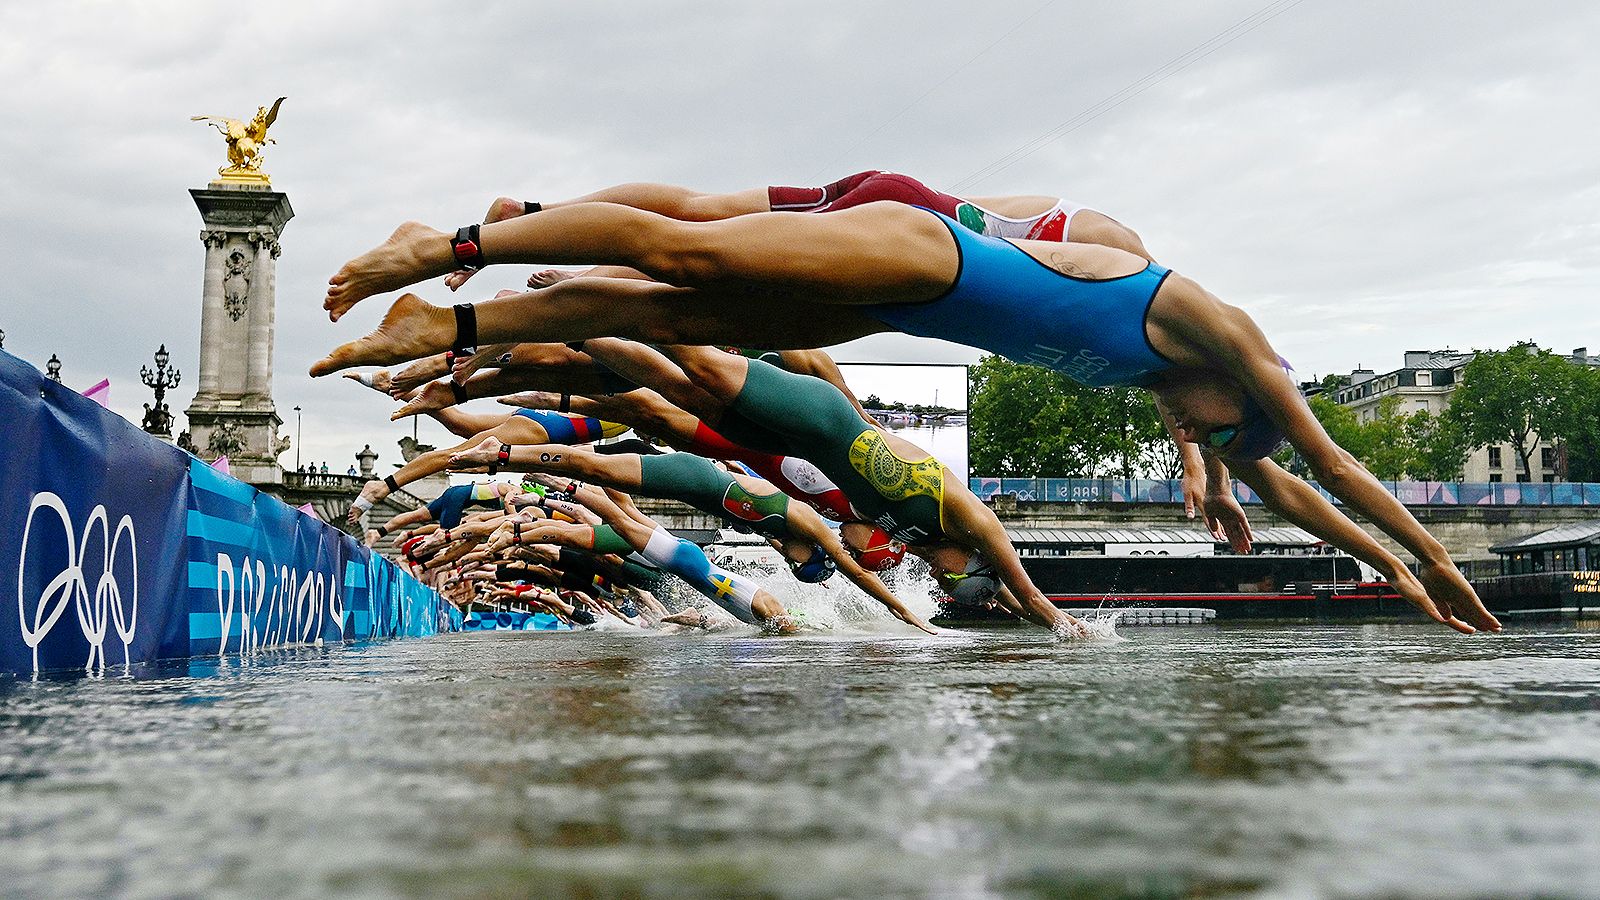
x=1575, y=534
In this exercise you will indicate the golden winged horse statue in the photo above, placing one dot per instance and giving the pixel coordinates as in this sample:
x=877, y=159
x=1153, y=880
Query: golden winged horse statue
x=246, y=141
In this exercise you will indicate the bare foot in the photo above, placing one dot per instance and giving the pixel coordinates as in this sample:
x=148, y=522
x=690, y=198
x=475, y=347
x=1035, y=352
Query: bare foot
x=495, y=355
x=411, y=328
x=418, y=374
x=546, y=277
x=413, y=253
x=378, y=381
x=501, y=209
x=434, y=396
x=482, y=455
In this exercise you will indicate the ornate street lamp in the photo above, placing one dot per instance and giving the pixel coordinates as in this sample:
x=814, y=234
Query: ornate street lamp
x=297, y=438
x=2, y=338
x=52, y=369
x=158, y=419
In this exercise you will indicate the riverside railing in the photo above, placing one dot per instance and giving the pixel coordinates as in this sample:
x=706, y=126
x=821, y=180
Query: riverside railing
x=1411, y=493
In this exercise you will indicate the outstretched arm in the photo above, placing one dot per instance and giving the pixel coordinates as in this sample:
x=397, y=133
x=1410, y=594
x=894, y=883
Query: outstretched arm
x=1301, y=504
x=977, y=526
x=1238, y=345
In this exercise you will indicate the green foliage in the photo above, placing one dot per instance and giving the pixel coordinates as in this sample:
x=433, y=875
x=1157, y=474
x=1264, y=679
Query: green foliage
x=1031, y=422
x=1582, y=437
x=1516, y=396
x=1393, y=445
x=1439, y=450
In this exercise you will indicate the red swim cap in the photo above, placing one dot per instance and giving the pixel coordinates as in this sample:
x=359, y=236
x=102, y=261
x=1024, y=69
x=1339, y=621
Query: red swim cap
x=882, y=552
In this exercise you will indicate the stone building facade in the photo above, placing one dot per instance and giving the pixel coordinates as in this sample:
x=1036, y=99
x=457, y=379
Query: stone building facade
x=1424, y=382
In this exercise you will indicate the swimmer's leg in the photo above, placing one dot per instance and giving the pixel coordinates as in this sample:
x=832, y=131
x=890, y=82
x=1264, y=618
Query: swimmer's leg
x=877, y=253
x=596, y=307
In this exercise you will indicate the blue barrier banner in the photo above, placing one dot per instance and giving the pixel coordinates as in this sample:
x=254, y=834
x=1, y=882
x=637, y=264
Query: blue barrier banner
x=128, y=550
x=1411, y=493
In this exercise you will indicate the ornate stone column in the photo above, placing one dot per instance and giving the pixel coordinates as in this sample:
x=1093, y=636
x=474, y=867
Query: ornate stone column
x=233, y=413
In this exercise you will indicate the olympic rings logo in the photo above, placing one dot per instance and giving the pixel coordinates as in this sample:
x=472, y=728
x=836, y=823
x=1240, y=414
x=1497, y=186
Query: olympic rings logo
x=98, y=606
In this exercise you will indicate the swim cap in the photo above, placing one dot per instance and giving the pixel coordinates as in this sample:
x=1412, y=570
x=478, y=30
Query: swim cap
x=882, y=552
x=818, y=568
x=409, y=545
x=976, y=585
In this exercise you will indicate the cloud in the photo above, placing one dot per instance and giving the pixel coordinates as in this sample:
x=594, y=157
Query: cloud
x=1363, y=177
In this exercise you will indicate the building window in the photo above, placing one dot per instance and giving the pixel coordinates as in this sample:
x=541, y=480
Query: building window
x=1547, y=457
x=1549, y=477
x=1424, y=379
x=1522, y=478
x=1422, y=406
x=1494, y=457
x=1494, y=477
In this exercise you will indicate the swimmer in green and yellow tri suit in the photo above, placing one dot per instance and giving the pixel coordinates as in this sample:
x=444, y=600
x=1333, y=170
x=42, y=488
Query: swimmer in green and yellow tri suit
x=811, y=548
x=891, y=483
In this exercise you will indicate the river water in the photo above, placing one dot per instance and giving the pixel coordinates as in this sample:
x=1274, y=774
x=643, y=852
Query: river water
x=1209, y=761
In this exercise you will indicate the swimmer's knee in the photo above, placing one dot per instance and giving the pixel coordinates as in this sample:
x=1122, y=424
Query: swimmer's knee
x=717, y=373
x=1089, y=227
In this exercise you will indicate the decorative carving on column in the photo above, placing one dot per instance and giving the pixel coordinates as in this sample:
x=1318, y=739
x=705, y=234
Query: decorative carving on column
x=236, y=284
x=227, y=438
x=214, y=239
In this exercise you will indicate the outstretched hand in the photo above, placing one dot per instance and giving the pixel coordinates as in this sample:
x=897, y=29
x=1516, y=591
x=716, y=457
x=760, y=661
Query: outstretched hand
x=1455, y=599
x=1411, y=588
x=1226, y=520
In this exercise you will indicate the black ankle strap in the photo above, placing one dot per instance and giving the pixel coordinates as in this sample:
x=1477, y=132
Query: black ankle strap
x=566, y=403
x=391, y=483
x=466, y=248
x=575, y=345
x=528, y=207
x=466, y=330
x=459, y=390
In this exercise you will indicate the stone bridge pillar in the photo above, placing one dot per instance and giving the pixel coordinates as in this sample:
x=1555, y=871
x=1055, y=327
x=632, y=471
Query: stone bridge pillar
x=233, y=413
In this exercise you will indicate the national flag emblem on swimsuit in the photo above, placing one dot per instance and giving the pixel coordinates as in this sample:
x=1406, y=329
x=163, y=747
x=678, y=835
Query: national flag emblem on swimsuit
x=724, y=586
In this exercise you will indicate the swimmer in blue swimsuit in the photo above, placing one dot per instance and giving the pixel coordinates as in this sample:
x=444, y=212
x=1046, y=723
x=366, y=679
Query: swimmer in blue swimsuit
x=786, y=280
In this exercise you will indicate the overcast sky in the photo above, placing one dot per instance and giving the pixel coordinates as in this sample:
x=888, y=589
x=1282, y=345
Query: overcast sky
x=1362, y=177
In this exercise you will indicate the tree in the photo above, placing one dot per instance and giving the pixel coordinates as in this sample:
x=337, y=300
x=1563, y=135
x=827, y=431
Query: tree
x=1031, y=422
x=1582, y=437
x=1438, y=448
x=1519, y=396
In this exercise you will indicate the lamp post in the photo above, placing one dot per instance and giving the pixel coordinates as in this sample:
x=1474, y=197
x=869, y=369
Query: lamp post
x=2, y=338
x=158, y=419
x=297, y=438
x=52, y=369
